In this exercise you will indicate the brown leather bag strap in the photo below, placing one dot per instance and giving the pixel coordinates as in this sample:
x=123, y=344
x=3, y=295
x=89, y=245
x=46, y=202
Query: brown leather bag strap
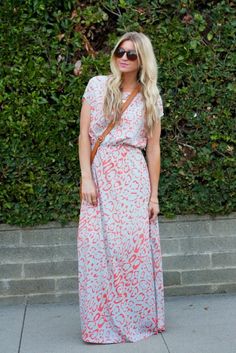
x=112, y=124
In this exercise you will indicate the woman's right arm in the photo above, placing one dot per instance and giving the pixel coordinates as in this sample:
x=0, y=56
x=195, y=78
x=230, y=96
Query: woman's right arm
x=89, y=192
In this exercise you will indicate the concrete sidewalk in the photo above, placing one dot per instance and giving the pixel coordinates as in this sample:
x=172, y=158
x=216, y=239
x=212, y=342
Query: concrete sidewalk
x=196, y=324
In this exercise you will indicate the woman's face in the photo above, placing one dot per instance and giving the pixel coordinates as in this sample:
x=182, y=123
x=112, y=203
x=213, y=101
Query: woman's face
x=124, y=64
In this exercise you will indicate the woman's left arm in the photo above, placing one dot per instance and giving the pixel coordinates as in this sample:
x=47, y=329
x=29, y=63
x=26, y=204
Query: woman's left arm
x=153, y=156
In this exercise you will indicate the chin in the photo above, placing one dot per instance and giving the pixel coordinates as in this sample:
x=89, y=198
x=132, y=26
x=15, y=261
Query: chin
x=125, y=69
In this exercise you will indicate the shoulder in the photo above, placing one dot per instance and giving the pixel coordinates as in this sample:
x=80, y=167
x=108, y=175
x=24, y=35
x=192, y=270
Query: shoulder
x=95, y=89
x=98, y=81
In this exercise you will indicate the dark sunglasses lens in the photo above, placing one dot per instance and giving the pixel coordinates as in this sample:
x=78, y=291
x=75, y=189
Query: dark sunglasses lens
x=119, y=52
x=131, y=55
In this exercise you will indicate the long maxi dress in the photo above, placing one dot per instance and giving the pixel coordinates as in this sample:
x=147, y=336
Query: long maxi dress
x=120, y=278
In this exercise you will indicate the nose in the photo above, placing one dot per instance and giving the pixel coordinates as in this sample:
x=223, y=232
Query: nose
x=125, y=56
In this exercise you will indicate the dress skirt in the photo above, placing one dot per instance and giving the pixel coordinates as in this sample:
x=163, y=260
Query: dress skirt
x=120, y=277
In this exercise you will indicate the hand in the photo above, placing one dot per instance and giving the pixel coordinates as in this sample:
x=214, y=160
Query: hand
x=153, y=209
x=89, y=191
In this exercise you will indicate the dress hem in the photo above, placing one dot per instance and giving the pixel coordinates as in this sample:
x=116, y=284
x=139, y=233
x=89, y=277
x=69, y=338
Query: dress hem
x=160, y=330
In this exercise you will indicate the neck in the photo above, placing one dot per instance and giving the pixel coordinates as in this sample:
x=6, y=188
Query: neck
x=129, y=81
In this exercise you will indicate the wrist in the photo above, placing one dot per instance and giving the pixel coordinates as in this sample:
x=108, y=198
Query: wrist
x=154, y=201
x=154, y=196
x=86, y=176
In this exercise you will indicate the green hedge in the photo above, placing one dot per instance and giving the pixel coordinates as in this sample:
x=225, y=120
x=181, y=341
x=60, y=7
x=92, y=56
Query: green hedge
x=40, y=99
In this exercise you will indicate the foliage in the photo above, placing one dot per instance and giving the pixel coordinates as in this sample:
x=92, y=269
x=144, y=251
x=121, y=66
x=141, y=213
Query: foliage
x=40, y=100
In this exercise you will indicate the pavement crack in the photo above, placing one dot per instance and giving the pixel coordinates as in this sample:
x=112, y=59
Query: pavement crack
x=22, y=327
x=165, y=343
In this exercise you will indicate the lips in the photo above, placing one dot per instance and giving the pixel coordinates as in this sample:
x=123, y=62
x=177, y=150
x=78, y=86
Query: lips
x=123, y=64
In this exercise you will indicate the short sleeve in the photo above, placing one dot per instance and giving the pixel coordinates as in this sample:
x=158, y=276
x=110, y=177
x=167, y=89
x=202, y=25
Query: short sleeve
x=160, y=110
x=89, y=93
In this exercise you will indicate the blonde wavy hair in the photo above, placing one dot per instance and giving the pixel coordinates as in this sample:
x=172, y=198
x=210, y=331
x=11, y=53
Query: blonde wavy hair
x=147, y=76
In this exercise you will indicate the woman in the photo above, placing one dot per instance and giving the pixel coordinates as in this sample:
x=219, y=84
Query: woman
x=119, y=256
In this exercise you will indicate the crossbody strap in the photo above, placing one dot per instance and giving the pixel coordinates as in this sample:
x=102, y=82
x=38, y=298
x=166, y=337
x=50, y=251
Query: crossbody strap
x=112, y=123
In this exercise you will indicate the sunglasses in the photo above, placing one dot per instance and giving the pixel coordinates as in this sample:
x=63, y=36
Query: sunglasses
x=131, y=54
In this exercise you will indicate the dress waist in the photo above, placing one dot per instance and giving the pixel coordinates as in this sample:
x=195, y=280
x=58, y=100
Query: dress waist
x=119, y=146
